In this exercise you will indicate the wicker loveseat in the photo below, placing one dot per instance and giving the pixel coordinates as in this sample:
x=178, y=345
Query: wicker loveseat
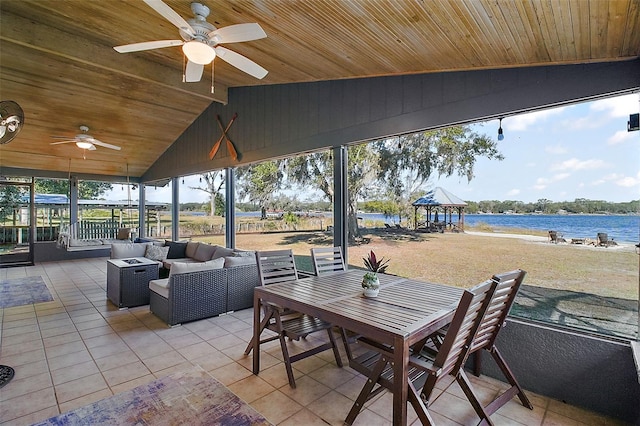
x=217, y=281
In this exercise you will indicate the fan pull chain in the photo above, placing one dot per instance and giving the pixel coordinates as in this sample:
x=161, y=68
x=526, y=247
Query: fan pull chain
x=184, y=69
x=213, y=90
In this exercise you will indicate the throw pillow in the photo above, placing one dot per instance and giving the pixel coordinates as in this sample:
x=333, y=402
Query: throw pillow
x=183, y=267
x=177, y=250
x=222, y=252
x=192, y=246
x=156, y=253
x=204, y=252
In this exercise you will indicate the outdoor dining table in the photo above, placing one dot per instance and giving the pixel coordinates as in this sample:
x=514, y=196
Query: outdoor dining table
x=404, y=312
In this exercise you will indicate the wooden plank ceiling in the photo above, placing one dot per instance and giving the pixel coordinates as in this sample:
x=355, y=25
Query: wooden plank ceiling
x=57, y=61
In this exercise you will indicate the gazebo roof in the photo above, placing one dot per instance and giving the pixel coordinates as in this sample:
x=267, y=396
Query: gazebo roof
x=439, y=197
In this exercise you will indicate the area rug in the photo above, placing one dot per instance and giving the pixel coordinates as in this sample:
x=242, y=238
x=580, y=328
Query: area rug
x=189, y=398
x=23, y=291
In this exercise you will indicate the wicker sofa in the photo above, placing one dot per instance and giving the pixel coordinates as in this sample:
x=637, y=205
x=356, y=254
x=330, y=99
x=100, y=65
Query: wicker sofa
x=194, y=292
x=215, y=281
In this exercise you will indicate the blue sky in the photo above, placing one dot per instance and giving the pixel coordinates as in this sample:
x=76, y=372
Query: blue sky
x=578, y=151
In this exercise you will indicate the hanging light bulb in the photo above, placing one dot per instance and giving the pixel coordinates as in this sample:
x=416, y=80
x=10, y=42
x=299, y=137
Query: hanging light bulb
x=500, y=134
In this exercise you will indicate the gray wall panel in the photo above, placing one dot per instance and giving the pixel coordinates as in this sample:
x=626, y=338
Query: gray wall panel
x=581, y=370
x=379, y=107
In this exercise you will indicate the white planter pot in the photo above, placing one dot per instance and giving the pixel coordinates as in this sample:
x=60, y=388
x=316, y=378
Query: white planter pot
x=371, y=292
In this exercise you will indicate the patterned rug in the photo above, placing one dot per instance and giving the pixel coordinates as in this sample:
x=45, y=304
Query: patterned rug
x=23, y=291
x=192, y=397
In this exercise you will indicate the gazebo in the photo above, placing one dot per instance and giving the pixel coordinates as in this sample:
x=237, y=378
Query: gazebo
x=440, y=199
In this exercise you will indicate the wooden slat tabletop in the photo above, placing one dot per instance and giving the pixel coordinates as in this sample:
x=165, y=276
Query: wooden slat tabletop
x=403, y=307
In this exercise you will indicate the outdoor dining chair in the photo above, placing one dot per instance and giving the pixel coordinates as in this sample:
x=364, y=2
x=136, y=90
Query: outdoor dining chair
x=427, y=367
x=327, y=260
x=278, y=266
x=508, y=285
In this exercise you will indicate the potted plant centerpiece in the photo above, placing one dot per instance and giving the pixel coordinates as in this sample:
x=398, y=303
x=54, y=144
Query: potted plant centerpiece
x=370, y=281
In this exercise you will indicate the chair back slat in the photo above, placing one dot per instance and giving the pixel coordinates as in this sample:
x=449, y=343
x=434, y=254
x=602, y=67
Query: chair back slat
x=327, y=259
x=464, y=326
x=508, y=284
x=276, y=266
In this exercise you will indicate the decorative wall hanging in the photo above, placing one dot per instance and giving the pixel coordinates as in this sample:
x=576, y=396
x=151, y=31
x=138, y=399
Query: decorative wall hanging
x=230, y=146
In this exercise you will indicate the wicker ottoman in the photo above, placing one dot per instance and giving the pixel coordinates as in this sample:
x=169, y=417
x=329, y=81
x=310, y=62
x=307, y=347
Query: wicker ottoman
x=128, y=281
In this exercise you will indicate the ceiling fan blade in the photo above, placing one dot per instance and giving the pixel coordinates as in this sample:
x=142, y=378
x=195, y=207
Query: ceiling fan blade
x=147, y=45
x=103, y=144
x=92, y=148
x=241, y=62
x=193, y=72
x=238, y=33
x=58, y=143
x=170, y=15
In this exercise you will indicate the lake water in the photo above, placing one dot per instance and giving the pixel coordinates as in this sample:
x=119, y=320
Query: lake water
x=620, y=228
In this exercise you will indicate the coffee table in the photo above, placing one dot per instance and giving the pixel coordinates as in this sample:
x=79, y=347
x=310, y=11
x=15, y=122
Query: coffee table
x=128, y=280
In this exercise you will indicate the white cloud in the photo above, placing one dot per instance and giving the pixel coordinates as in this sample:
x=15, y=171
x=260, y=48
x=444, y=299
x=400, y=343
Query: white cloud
x=556, y=149
x=513, y=192
x=524, y=121
x=620, y=106
x=629, y=181
x=574, y=164
x=620, y=136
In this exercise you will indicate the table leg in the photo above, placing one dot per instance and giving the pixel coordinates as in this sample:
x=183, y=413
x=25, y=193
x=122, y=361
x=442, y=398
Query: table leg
x=256, y=334
x=400, y=381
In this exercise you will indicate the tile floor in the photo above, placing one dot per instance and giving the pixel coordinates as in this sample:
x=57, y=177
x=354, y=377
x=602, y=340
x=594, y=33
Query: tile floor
x=80, y=348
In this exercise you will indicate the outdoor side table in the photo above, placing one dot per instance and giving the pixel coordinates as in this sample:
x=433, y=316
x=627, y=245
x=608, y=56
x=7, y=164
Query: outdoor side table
x=128, y=281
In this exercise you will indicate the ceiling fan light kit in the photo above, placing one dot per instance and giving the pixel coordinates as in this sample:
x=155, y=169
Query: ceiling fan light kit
x=198, y=52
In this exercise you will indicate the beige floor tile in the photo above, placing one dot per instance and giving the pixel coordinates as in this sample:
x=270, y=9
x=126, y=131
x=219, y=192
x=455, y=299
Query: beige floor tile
x=276, y=406
x=123, y=387
x=85, y=400
x=333, y=407
x=62, y=339
x=230, y=374
x=306, y=391
x=106, y=350
x=554, y=419
x=22, y=386
x=66, y=348
x=251, y=388
x=516, y=411
x=31, y=369
x=18, y=348
x=153, y=349
x=331, y=375
x=125, y=373
x=212, y=361
x=76, y=371
x=104, y=339
x=304, y=417
x=197, y=350
x=63, y=361
x=116, y=360
x=22, y=406
x=19, y=338
x=226, y=341
x=23, y=358
x=81, y=387
x=164, y=361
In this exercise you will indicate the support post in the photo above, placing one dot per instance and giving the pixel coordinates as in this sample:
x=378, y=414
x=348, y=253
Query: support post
x=142, y=208
x=229, y=207
x=175, y=208
x=340, y=201
x=73, y=200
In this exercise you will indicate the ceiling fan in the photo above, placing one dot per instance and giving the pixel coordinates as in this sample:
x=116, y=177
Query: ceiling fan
x=84, y=141
x=201, y=41
x=11, y=120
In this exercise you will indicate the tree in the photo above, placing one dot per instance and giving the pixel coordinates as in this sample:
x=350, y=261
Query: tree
x=398, y=167
x=213, y=190
x=260, y=182
x=87, y=190
x=10, y=199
